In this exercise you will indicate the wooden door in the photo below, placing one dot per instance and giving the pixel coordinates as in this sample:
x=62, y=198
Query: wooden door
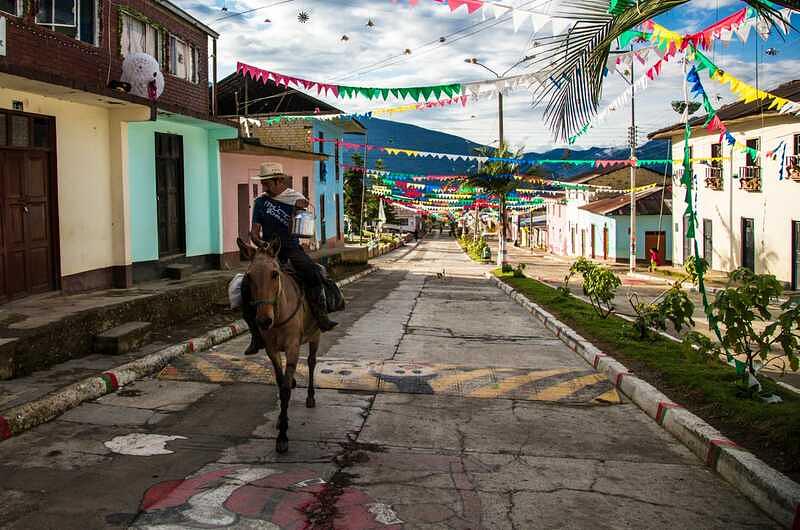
x=591, y=239
x=708, y=242
x=748, y=244
x=795, y=255
x=656, y=240
x=169, y=194
x=605, y=242
x=243, y=211
x=27, y=263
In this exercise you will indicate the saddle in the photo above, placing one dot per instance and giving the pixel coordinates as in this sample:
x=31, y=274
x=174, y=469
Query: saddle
x=333, y=296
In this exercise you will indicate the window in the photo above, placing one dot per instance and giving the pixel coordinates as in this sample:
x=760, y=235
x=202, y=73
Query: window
x=305, y=187
x=716, y=152
x=10, y=6
x=140, y=37
x=753, y=143
x=796, y=144
x=75, y=18
x=184, y=60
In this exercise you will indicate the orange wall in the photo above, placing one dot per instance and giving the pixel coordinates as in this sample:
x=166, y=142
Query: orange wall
x=238, y=169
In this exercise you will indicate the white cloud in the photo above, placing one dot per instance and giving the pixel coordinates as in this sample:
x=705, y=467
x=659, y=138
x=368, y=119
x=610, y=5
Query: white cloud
x=315, y=51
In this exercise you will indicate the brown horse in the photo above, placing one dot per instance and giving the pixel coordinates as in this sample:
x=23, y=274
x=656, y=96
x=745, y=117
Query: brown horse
x=285, y=323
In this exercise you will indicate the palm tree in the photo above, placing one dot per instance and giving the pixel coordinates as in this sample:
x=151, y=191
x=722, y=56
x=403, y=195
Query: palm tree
x=499, y=178
x=570, y=67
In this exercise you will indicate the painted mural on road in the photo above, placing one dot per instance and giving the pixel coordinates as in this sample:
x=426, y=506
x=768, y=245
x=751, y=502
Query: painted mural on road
x=256, y=497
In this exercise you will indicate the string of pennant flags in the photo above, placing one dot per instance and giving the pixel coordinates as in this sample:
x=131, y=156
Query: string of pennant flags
x=601, y=163
x=539, y=20
x=669, y=43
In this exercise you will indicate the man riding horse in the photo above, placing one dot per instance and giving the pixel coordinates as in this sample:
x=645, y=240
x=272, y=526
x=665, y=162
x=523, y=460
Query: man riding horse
x=273, y=213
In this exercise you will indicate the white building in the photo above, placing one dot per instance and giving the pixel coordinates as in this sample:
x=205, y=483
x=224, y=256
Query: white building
x=746, y=215
x=572, y=231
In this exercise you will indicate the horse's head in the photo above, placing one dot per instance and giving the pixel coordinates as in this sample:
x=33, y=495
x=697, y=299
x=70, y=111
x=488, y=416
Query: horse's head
x=264, y=278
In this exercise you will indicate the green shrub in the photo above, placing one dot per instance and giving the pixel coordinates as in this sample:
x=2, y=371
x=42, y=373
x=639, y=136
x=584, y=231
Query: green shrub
x=744, y=302
x=519, y=271
x=672, y=306
x=599, y=284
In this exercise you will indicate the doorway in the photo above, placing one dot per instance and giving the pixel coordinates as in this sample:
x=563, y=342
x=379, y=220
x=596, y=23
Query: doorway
x=592, y=241
x=170, y=195
x=795, y=255
x=687, y=242
x=28, y=215
x=708, y=242
x=656, y=240
x=605, y=242
x=748, y=244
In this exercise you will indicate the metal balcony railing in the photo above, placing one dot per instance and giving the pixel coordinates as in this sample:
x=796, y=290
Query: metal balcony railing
x=750, y=178
x=713, y=177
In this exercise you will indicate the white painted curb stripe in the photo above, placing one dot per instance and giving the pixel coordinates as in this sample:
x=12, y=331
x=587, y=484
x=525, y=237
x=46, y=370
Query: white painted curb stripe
x=772, y=491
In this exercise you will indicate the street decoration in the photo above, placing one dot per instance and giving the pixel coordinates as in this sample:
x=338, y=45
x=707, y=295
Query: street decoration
x=539, y=20
x=573, y=98
x=669, y=43
x=386, y=111
x=144, y=75
x=601, y=163
x=343, y=91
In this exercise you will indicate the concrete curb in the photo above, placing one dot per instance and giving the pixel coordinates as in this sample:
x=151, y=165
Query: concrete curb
x=21, y=418
x=770, y=490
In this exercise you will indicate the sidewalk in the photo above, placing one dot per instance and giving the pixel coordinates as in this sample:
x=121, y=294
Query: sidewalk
x=551, y=270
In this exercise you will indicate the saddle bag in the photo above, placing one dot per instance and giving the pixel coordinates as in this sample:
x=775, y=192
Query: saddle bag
x=334, y=299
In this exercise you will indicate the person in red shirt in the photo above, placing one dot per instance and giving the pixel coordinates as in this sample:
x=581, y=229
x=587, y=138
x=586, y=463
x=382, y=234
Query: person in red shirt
x=654, y=261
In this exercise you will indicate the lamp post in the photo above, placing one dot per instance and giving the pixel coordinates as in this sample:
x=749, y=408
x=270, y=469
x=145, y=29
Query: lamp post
x=502, y=253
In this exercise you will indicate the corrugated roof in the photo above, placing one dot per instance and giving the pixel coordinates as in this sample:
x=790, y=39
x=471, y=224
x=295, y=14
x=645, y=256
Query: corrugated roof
x=739, y=109
x=605, y=206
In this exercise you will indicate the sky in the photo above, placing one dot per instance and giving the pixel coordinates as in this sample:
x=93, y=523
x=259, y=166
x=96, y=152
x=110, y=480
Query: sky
x=271, y=37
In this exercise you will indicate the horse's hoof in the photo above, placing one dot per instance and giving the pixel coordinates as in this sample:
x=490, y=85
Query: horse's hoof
x=281, y=446
x=310, y=402
x=294, y=383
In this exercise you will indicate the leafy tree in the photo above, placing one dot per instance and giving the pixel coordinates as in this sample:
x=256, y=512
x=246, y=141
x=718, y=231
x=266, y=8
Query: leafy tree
x=499, y=178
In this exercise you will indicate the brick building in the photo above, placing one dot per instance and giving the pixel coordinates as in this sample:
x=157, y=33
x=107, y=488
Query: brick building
x=321, y=182
x=81, y=174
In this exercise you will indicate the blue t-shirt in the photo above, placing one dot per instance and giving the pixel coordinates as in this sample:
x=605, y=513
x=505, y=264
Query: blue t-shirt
x=275, y=219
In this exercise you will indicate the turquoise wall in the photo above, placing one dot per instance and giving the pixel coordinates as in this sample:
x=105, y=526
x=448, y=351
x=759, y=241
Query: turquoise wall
x=644, y=223
x=202, y=185
x=331, y=187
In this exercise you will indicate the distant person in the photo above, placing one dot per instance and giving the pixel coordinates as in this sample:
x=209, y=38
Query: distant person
x=654, y=259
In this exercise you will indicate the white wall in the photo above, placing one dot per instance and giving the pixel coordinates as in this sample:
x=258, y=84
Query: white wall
x=772, y=209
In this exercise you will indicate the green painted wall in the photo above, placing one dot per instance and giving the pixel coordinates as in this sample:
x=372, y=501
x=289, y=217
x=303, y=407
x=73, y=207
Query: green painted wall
x=202, y=185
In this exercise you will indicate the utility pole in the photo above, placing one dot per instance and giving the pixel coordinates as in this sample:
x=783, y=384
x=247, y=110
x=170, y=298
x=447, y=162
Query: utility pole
x=632, y=263
x=502, y=253
x=363, y=190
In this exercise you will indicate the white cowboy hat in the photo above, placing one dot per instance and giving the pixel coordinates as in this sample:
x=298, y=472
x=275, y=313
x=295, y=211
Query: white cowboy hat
x=270, y=170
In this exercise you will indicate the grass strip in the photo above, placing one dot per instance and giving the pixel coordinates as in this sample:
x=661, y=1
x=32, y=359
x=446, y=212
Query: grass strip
x=706, y=387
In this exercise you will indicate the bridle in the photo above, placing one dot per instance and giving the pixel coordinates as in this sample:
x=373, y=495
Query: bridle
x=275, y=303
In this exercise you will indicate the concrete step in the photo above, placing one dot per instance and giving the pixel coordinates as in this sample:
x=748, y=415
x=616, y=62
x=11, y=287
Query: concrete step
x=123, y=338
x=179, y=271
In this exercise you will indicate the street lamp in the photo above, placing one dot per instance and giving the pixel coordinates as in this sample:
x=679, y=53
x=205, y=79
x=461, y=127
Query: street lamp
x=502, y=253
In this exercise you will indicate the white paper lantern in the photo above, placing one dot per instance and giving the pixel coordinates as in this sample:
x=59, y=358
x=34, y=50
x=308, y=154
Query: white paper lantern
x=140, y=70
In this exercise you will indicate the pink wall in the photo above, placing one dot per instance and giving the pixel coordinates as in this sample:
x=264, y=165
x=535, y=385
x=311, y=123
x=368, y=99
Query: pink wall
x=557, y=228
x=238, y=169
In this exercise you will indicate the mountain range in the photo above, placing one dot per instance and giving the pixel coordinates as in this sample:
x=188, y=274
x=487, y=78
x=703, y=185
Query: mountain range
x=406, y=136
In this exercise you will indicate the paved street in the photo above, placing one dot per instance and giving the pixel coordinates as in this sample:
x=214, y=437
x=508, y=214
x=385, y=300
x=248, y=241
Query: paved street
x=442, y=404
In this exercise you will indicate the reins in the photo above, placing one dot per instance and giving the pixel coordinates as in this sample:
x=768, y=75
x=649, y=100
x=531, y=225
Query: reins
x=275, y=302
